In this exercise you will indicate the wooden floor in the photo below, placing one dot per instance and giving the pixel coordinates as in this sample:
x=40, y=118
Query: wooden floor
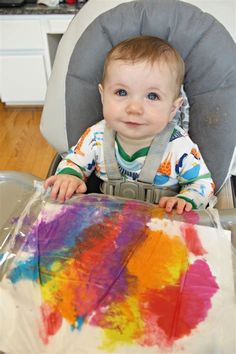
x=22, y=147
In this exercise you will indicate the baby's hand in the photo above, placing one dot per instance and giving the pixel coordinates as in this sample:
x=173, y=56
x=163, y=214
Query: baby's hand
x=64, y=186
x=170, y=203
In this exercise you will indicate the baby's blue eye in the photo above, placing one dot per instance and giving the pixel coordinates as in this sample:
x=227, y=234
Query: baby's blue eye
x=153, y=96
x=121, y=92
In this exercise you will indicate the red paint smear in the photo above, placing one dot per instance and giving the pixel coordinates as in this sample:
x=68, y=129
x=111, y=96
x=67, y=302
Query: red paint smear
x=52, y=322
x=191, y=216
x=192, y=239
x=179, y=309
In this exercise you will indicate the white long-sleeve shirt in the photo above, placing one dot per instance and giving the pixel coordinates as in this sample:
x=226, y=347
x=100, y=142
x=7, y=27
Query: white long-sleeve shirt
x=182, y=163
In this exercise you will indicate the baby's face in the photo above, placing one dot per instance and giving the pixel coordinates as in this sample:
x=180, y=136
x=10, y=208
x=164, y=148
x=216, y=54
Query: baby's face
x=138, y=98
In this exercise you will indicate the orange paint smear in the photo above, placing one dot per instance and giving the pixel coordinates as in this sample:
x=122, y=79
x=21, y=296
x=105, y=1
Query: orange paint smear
x=159, y=261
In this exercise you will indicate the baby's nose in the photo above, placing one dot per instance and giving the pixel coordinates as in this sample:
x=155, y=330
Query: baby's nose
x=134, y=107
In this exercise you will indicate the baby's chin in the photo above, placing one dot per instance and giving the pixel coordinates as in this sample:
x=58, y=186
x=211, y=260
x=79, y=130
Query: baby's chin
x=136, y=137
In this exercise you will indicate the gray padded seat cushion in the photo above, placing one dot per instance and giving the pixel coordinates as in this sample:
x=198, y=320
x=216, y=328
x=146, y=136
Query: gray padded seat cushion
x=209, y=53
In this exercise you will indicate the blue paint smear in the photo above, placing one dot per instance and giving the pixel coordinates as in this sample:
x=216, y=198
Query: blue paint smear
x=25, y=270
x=80, y=321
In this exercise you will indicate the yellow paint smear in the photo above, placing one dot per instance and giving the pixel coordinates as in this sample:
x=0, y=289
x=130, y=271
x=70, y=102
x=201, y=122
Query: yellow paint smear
x=157, y=212
x=125, y=324
x=59, y=293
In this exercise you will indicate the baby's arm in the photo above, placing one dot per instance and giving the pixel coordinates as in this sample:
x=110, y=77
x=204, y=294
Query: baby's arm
x=72, y=172
x=64, y=186
x=197, y=186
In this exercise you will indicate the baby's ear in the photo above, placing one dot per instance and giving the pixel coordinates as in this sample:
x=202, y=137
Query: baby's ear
x=100, y=89
x=176, y=105
x=178, y=102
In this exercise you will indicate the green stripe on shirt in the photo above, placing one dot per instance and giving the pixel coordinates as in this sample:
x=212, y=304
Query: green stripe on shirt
x=207, y=175
x=70, y=171
x=140, y=153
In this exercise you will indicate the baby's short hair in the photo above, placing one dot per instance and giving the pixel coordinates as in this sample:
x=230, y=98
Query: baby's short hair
x=151, y=49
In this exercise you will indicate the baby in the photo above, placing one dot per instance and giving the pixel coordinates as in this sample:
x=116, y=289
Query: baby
x=140, y=94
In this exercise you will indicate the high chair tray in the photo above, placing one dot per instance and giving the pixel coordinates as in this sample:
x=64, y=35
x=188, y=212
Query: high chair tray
x=119, y=271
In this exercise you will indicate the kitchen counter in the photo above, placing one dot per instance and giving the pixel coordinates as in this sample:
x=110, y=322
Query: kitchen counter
x=40, y=9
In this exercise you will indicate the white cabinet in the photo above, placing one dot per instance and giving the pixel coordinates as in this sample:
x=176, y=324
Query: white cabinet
x=27, y=48
x=21, y=34
x=24, y=79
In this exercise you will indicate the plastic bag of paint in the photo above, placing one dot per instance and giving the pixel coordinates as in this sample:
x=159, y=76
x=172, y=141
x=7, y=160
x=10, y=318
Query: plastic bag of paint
x=119, y=271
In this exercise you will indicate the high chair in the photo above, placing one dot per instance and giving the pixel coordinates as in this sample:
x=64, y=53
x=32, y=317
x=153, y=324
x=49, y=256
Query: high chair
x=73, y=103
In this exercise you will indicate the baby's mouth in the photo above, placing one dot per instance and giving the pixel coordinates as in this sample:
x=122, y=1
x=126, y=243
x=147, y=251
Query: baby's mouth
x=133, y=124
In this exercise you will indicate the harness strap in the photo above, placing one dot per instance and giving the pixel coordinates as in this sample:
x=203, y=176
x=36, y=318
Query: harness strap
x=143, y=188
x=112, y=168
x=155, y=154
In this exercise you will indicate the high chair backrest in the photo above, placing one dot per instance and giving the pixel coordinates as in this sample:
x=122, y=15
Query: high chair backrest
x=73, y=103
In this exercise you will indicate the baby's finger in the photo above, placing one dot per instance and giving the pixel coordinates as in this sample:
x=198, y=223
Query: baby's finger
x=55, y=189
x=170, y=204
x=71, y=188
x=181, y=203
x=58, y=189
x=62, y=191
x=49, y=182
x=81, y=188
x=162, y=202
x=188, y=207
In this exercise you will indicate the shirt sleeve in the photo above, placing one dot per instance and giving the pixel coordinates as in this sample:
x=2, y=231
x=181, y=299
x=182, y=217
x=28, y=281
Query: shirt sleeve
x=80, y=160
x=197, y=186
